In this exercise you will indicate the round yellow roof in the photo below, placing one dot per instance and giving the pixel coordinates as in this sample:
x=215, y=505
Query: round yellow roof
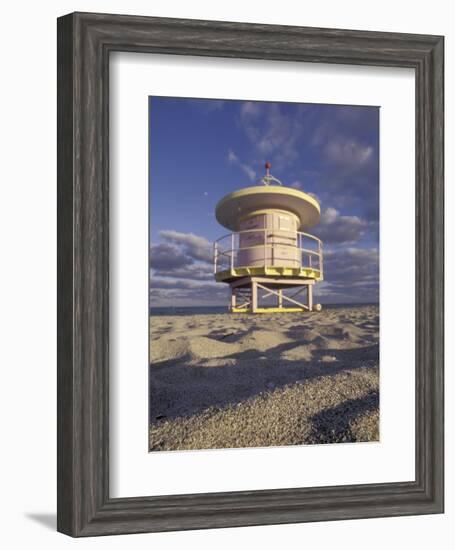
x=235, y=206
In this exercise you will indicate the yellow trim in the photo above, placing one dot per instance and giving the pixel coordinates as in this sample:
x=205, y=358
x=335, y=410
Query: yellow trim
x=270, y=310
x=292, y=272
x=279, y=190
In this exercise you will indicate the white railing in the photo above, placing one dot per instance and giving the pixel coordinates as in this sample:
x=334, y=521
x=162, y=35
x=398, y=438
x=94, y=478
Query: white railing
x=305, y=249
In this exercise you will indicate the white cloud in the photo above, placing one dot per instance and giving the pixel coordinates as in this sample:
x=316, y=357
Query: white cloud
x=250, y=108
x=234, y=159
x=165, y=256
x=272, y=132
x=329, y=215
x=200, y=271
x=348, y=153
x=176, y=283
x=335, y=228
x=181, y=271
x=176, y=292
x=350, y=275
x=198, y=248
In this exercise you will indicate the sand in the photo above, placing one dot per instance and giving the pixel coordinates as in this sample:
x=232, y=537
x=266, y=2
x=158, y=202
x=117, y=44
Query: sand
x=225, y=381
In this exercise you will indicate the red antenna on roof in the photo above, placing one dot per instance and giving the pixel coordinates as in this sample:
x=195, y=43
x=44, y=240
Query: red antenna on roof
x=268, y=178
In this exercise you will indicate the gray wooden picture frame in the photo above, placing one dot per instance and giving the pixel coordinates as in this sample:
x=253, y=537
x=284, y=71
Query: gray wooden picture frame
x=85, y=41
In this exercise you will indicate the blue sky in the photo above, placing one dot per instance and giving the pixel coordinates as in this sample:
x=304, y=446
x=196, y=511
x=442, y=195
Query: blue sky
x=200, y=150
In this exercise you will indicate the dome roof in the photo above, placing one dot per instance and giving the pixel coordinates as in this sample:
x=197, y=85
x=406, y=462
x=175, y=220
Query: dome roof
x=235, y=206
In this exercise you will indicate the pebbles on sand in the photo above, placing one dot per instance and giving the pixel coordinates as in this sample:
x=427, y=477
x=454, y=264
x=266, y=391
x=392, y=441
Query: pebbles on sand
x=223, y=381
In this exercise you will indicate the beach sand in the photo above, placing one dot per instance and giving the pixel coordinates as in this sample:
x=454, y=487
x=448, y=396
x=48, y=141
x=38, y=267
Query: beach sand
x=224, y=381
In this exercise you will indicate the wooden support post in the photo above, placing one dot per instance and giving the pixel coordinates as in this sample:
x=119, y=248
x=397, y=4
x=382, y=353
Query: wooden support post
x=247, y=294
x=287, y=298
x=310, y=297
x=254, y=296
x=233, y=299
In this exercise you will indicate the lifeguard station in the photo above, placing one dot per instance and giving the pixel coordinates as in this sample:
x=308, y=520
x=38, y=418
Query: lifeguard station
x=267, y=255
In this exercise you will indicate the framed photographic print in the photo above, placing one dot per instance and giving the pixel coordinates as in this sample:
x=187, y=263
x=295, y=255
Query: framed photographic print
x=250, y=252
x=271, y=372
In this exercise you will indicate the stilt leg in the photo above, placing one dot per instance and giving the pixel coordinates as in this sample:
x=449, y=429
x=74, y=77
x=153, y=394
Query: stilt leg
x=310, y=297
x=233, y=299
x=280, y=297
x=254, y=296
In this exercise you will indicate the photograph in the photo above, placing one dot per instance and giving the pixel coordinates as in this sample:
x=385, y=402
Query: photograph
x=264, y=274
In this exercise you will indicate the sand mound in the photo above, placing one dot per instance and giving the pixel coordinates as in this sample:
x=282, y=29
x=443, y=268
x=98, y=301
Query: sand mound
x=205, y=348
x=262, y=340
x=348, y=332
x=299, y=353
x=167, y=350
x=190, y=349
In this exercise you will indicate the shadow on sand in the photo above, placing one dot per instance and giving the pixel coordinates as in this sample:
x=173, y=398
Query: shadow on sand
x=181, y=389
x=333, y=425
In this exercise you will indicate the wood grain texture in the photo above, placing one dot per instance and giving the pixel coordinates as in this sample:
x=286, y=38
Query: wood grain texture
x=84, y=44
